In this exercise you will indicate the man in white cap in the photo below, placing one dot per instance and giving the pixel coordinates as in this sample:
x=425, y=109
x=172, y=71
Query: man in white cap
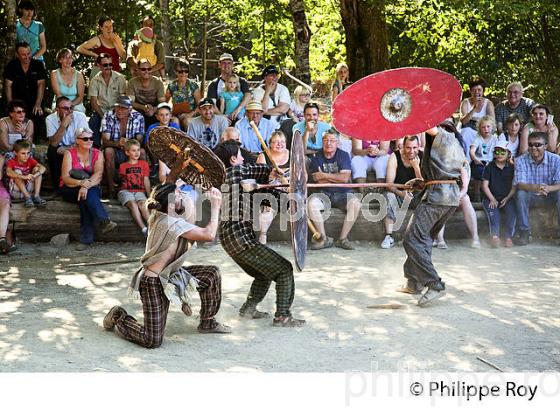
x=207, y=127
x=217, y=86
x=248, y=138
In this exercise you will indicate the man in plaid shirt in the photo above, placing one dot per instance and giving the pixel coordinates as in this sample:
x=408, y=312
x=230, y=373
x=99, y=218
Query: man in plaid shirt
x=537, y=177
x=240, y=242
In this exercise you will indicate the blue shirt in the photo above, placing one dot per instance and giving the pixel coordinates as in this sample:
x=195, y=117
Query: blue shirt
x=157, y=124
x=247, y=136
x=321, y=128
x=527, y=171
x=340, y=162
x=30, y=35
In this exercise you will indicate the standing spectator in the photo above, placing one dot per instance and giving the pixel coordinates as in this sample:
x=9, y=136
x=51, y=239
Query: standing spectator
x=184, y=94
x=498, y=189
x=146, y=45
x=135, y=184
x=311, y=129
x=82, y=171
x=108, y=42
x=512, y=134
x=146, y=92
x=481, y=150
x=297, y=106
x=514, y=104
x=104, y=89
x=541, y=121
x=14, y=127
x=274, y=97
x=30, y=30
x=25, y=176
x=231, y=99
x=120, y=124
x=332, y=165
x=473, y=109
x=25, y=80
x=61, y=130
x=67, y=81
x=341, y=81
x=249, y=140
x=537, y=177
x=217, y=86
x=207, y=128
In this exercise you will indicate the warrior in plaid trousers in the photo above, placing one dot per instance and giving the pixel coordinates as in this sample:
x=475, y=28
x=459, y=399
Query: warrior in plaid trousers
x=240, y=242
x=163, y=278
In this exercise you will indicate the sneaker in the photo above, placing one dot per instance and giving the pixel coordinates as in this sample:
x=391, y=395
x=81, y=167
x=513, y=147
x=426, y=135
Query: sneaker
x=287, y=321
x=495, y=242
x=186, y=308
x=388, y=242
x=522, y=239
x=344, y=244
x=28, y=202
x=218, y=329
x=429, y=296
x=476, y=244
x=326, y=243
x=441, y=245
x=82, y=247
x=145, y=232
x=39, y=202
x=107, y=226
x=115, y=313
x=410, y=287
x=251, y=312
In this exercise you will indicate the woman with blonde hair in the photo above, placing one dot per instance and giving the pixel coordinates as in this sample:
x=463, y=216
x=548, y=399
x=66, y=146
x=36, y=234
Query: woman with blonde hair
x=301, y=97
x=341, y=81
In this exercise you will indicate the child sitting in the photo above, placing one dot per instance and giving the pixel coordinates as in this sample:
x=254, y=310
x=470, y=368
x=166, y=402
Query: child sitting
x=135, y=184
x=164, y=117
x=481, y=150
x=497, y=186
x=25, y=175
x=301, y=97
x=231, y=98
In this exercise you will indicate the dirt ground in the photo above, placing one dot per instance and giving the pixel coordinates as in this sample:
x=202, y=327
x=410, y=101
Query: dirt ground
x=502, y=306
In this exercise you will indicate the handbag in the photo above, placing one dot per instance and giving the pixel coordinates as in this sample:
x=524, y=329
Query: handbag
x=80, y=174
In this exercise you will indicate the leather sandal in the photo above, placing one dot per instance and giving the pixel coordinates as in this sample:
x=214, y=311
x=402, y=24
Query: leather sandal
x=287, y=321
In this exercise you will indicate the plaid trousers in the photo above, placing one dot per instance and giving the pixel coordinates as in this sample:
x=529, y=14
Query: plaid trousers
x=267, y=266
x=156, y=305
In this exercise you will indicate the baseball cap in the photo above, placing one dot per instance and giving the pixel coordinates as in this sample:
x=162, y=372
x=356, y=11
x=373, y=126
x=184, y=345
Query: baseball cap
x=205, y=101
x=164, y=105
x=254, y=106
x=226, y=56
x=123, y=101
x=502, y=145
x=270, y=69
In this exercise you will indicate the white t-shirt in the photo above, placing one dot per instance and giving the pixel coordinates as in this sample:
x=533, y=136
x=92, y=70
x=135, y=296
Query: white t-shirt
x=79, y=120
x=281, y=95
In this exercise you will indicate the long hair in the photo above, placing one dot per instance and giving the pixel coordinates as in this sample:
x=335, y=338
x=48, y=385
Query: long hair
x=159, y=198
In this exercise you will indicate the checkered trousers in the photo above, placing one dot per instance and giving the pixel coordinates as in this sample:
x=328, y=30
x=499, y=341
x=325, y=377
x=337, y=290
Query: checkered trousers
x=267, y=266
x=156, y=306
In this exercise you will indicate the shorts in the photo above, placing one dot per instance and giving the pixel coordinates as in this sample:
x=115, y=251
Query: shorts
x=337, y=199
x=362, y=164
x=127, y=196
x=15, y=193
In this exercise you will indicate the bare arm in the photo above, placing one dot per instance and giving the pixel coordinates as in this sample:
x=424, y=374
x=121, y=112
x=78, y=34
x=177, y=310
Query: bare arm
x=80, y=86
x=337, y=178
x=95, y=106
x=8, y=89
x=208, y=233
x=523, y=141
x=42, y=46
x=4, y=137
x=54, y=84
x=85, y=47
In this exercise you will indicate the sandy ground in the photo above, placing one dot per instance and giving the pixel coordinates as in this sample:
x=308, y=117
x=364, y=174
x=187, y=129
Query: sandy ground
x=502, y=305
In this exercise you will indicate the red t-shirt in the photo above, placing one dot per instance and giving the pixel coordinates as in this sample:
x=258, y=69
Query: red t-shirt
x=24, y=168
x=132, y=175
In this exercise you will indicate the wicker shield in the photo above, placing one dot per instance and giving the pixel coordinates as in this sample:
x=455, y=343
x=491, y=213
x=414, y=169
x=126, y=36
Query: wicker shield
x=298, y=202
x=173, y=147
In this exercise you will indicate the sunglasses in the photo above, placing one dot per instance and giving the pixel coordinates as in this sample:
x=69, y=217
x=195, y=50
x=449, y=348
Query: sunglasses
x=500, y=151
x=86, y=139
x=145, y=69
x=536, y=144
x=19, y=111
x=182, y=71
x=107, y=65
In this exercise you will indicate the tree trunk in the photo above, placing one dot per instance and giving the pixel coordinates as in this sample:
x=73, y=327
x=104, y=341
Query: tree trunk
x=9, y=41
x=366, y=36
x=302, y=34
x=164, y=6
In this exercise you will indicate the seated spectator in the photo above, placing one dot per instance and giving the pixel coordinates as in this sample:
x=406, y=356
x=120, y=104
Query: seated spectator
x=369, y=155
x=481, y=150
x=341, y=81
x=82, y=171
x=249, y=140
x=498, y=191
x=163, y=115
x=541, y=121
x=6, y=245
x=274, y=97
x=68, y=82
x=231, y=98
x=30, y=30
x=281, y=157
x=104, y=89
x=402, y=166
x=250, y=158
x=61, y=130
x=146, y=45
x=537, y=177
x=14, y=127
x=512, y=134
x=311, y=129
x=301, y=97
x=332, y=165
x=120, y=124
x=184, y=94
x=207, y=128
x=24, y=79
x=135, y=184
x=146, y=92
x=473, y=109
x=25, y=176
x=515, y=103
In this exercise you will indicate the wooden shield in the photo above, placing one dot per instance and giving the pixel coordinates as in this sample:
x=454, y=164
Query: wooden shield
x=173, y=147
x=394, y=103
x=298, y=202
